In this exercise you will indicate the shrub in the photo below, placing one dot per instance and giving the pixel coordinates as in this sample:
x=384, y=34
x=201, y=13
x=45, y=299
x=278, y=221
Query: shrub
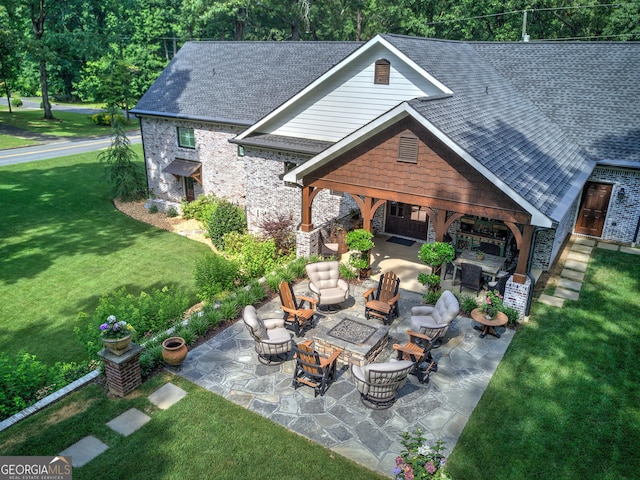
x=431, y=297
x=16, y=102
x=431, y=280
x=228, y=309
x=198, y=324
x=24, y=380
x=105, y=119
x=187, y=334
x=172, y=212
x=244, y=297
x=257, y=257
x=512, y=314
x=212, y=314
x=297, y=267
x=361, y=241
x=257, y=291
x=153, y=208
x=281, y=229
x=214, y=274
x=435, y=254
x=147, y=312
x=346, y=272
x=200, y=209
x=468, y=303
x=226, y=217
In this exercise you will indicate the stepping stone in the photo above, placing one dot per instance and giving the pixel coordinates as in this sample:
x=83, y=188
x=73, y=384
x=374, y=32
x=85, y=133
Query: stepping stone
x=85, y=450
x=568, y=294
x=633, y=251
x=572, y=274
x=581, y=249
x=608, y=246
x=549, y=300
x=129, y=421
x=584, y=241
x=570, y=284
x=578, y=257
x=167, y=395
x=575, y=265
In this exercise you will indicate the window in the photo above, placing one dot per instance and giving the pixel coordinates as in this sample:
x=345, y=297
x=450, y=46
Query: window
x=408, y=148
x=383, y=70
x=186, y=138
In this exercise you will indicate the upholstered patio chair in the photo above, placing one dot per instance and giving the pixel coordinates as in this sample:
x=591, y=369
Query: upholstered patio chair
x=272, y=341
x=312, y=369
x=378, y=383
x=418, y=351
x=382, y=301
x=325, y=283
x=434, y=321
x=471, y=277
x=295, y=315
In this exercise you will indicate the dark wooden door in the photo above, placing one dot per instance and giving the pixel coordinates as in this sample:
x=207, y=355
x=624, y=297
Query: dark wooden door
x=593, y=208
x=407, y=220
x=189, y=191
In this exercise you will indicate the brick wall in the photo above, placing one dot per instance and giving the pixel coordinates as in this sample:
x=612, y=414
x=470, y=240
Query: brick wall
x=222, y=169
x=622, y=215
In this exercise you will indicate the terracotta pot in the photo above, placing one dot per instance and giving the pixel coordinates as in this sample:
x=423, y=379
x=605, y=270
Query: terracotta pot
x=174, y=350
x=117, y=346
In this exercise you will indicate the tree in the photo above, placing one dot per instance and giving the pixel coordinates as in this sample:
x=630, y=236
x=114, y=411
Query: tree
x=127, y=177
x=38, y=10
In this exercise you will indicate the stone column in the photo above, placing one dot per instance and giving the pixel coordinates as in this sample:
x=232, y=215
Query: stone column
x=123, y=371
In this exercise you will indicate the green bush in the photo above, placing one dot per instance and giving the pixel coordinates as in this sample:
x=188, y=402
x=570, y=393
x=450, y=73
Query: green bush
x=215, y=274
x=281, y=229
x=153, y=208
x=24, y=380
x=200, y=209
x=346, y=272
x=172, y=212
x=226, y=217
x=431, y=297
x=16, y=102
x=361, y=241
x=468, y=303
x=147, y=313
x=257, y=257
x=512, y=314
x=105, y=119
x=198, y=325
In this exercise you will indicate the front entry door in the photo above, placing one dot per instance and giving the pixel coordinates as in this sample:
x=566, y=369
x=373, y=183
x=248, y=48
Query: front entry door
x=189, y=192
x=593, y=209
x=407, y=220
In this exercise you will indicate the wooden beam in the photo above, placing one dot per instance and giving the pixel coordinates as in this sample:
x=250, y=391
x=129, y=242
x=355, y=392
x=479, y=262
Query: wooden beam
x=307, y=198
x=520, y=275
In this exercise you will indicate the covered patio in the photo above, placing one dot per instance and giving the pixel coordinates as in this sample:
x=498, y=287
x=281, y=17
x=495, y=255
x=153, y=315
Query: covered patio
x=227, y=365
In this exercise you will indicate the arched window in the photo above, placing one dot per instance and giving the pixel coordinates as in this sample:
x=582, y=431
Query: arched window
x=383, y=70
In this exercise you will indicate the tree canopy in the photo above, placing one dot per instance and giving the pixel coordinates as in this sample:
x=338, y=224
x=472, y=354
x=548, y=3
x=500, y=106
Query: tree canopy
x=112, y=50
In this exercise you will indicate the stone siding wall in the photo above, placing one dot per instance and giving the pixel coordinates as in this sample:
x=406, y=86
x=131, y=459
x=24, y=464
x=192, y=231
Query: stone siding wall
x=516, y=295
x=222, y=169
x=622, y=215
x=268, y=195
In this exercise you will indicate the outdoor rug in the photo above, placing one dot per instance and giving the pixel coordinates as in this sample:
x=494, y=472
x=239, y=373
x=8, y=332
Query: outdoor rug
x=401, y=241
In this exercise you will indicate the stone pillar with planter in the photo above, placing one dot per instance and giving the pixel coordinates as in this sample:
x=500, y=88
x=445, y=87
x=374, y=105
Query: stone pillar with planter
x=122, y=371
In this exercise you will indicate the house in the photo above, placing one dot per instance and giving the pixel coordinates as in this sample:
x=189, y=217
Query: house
x=508, y=147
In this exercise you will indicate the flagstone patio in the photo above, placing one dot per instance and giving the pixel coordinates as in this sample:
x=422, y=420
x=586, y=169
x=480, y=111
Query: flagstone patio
x=227, y=365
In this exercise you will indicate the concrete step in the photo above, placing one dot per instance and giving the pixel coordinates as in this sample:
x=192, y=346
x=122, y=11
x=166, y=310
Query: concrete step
x=549, y=300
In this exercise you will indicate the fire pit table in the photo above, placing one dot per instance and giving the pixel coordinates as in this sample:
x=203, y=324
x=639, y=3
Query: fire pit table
x=360, y=341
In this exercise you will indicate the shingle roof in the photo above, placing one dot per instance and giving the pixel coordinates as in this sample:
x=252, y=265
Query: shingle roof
x=591, y=90
x=536, y=136
x=203, y=80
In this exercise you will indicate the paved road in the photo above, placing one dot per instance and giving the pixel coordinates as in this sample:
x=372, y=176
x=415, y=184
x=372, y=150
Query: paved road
x=59, y=149
x=35, y=104
x=52, y=146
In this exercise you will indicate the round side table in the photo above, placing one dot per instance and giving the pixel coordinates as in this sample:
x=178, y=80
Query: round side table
x=488, y=325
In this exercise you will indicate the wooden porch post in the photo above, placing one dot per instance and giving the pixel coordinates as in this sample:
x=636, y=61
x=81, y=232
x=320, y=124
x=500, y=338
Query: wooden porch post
x=307, y=199
x=520, y=275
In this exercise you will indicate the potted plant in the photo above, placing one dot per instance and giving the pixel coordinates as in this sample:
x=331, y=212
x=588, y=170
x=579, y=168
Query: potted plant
x=360, y=242
x=116, y=335
x=480, y=255
x=174, y=351
x=430, y=280
x=435, y=255
x=492, y=305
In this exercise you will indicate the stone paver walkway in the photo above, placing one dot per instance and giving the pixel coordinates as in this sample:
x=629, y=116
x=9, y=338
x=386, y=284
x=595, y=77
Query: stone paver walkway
x=227, y=365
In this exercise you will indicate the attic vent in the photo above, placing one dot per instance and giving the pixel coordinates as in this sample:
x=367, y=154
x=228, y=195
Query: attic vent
x=383, y=69
x=408, y=148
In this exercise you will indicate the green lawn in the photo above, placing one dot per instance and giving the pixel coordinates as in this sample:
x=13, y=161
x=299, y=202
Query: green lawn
x=565, y=401
x=67, y=124
x=64, y=245
x=203, y=436
x=9, y=141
